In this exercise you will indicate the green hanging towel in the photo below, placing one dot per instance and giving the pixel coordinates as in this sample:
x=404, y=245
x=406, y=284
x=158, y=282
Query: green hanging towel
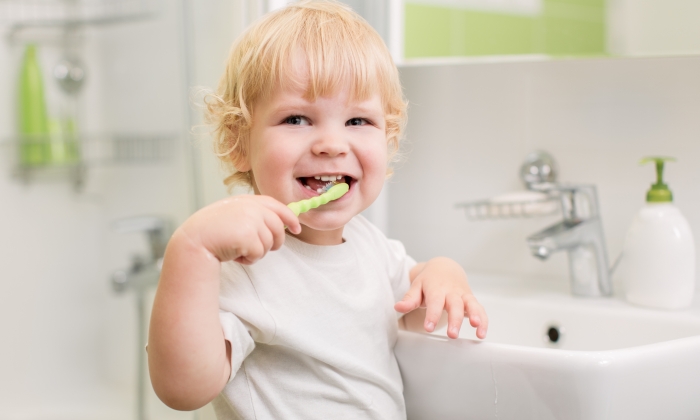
x=34, y=149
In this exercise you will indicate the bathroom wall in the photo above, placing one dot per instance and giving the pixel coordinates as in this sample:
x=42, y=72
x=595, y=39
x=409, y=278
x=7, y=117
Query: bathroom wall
x=472, y=124
x=652, y=27
x=69, y=342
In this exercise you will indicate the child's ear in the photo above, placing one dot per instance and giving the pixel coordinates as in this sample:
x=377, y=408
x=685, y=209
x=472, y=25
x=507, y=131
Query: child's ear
x=240, y=162
x=238, y=155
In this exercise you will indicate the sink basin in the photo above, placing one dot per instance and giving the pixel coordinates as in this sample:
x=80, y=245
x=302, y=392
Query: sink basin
x=549, y=355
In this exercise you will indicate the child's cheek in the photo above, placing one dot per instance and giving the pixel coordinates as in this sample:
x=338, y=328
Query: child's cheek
x=375, y=167
x=273, y=174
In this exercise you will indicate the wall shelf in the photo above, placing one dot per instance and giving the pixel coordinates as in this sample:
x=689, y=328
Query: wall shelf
x=20, y=14
x=98, y=149
x=38, y=20
x=60, y=24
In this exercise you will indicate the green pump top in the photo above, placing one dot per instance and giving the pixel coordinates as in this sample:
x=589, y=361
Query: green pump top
x=659, y=192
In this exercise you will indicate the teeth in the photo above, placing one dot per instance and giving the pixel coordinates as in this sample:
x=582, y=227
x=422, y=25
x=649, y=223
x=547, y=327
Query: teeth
x=329, y=178
x=307, y=187
x=320, y=190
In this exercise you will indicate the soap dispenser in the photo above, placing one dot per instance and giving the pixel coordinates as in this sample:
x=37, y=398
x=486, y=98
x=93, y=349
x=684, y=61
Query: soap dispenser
x=659, y=251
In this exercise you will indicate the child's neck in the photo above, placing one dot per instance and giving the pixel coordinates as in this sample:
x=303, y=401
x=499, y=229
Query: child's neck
x=320, y=237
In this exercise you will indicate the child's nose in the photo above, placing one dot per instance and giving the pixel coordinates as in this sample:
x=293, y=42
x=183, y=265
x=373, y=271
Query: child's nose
x=330, y=144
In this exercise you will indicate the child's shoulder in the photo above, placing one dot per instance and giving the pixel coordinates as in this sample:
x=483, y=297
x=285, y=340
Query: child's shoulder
x=366, y=235
x=359, y=225
x=371, y=242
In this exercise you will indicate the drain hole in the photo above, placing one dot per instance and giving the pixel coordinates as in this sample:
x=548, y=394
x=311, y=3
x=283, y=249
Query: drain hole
x=553, y=334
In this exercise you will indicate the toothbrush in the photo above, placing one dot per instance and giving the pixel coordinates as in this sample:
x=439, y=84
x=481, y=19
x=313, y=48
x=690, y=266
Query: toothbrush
x=333, y=192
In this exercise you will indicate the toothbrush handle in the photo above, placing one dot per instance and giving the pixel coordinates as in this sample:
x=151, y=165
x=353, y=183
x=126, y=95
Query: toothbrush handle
x=334, y=193
x=306, y=205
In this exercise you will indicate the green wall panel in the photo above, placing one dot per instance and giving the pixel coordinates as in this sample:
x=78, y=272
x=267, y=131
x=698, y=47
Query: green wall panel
x=427, y=31
x=490, y=33
x=565, y=27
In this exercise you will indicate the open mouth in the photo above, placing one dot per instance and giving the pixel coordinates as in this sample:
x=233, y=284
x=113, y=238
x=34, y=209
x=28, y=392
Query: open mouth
x=320, y=183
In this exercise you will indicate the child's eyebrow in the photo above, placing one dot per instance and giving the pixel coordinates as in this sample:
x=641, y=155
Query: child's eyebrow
x=298, y=105
x=291, y=106
x=367, y=109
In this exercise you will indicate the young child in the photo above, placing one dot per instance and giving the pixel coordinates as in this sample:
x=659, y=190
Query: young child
x=310, y=94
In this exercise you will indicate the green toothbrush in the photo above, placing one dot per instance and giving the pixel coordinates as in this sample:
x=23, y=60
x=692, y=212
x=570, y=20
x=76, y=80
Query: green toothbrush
x=333, y=193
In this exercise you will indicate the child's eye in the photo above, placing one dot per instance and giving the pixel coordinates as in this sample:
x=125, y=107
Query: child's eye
x=296, y=120
x=356, y=121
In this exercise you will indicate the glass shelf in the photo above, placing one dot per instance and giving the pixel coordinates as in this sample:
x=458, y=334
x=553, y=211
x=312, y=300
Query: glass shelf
x=60, y=23
x=37, y=21
x=19, y=14
x=67, y=12
x=52, y=158
x=103, y=148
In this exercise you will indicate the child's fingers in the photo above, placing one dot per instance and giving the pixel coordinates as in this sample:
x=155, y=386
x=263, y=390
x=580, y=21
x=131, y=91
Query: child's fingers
x=412, y=299
x=266, y=238
x=477, y=315
x=276, y=228
x=483, y=326
x=434, y=306
x=251, y=252
x=455, y=314
x=288, y=217
x=244, y=260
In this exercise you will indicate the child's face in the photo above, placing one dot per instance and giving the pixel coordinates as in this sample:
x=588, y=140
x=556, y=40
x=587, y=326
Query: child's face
x=292, y=141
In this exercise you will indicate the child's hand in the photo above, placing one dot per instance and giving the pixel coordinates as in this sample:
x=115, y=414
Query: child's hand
x=189, y=358
x=241, y=228
x=440, y=284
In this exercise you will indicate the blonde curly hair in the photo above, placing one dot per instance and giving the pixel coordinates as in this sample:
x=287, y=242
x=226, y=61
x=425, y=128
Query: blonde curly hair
x=339, y=48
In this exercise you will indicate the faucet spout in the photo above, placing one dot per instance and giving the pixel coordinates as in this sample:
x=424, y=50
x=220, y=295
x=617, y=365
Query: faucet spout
x=555, y=238
x=582, y=238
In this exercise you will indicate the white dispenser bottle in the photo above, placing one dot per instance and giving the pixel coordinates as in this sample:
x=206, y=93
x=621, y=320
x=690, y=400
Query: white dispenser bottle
x=659, y=252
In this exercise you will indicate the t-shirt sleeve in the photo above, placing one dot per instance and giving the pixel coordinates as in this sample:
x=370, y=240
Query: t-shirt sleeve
x=400, y=264
x=243, y=319
x=236, y=333
x=393, y=254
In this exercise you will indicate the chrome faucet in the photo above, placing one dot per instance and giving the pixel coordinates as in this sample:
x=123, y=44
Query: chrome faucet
x=141, y=276
x=581, y=235
x=145, y=270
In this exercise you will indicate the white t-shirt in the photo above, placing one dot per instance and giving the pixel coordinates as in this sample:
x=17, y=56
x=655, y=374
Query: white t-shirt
x=312, y=330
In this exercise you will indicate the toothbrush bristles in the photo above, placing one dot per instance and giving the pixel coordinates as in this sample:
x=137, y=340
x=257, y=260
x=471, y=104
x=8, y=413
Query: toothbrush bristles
x=328, y=186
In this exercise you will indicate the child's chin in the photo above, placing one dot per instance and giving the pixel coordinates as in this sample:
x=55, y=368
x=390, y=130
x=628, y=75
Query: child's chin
x=325, y=221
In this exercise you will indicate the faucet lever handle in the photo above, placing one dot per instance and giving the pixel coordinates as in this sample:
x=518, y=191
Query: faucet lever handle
x=157, y=228
x=139, y=224
x=551, y=187
x=578, y=201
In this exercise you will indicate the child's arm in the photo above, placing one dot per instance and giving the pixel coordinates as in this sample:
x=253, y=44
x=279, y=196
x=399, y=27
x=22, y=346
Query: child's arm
x=440, y=284
x=188, y=357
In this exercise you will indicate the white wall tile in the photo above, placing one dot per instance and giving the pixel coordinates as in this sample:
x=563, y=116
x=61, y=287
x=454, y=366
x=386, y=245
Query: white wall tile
x=66, y=335
x=471, y=126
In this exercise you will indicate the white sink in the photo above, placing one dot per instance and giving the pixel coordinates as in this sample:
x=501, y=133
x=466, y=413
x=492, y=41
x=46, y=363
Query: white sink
x=611, y=360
